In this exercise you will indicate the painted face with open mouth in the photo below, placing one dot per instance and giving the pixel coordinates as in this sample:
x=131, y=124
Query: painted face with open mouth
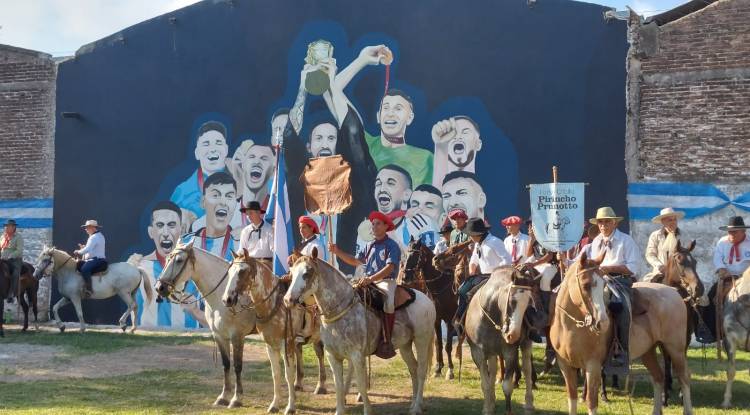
x=323, y=140
x=462, y=149
x=463, y=193
x=211, y=151
x=391, y=190
x=220, y=204
x=259, y=164
x=395, y=115
x=164, y=230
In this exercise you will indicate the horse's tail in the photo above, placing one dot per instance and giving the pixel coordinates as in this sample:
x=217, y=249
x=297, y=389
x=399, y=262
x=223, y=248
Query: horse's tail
x=135, y=260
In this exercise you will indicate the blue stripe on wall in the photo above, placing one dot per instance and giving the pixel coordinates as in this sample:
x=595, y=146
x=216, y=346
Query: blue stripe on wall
x=26, y=203
x=674, y=189
x=36, y=223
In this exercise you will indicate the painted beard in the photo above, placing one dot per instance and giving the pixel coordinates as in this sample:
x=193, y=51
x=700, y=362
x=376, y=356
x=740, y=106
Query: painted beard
x=324, y=152
x=459, y=156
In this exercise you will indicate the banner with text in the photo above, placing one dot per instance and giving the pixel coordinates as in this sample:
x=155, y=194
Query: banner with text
x=557, y=214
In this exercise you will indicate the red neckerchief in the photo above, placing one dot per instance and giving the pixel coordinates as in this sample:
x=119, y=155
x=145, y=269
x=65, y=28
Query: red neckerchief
x=395, y=214
x=734, y=252
x=224, y=245
x=161, y=259
x=7, y=239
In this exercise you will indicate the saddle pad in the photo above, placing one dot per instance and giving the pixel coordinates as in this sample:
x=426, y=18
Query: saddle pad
x=376, y=298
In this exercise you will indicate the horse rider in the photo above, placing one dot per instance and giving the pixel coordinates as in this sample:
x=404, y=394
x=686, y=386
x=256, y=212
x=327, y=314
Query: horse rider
x=257, y=236
x=489, y=254
x=657, y=251
x=621, y=261
x=309, y=231
x=11, y=251
x=516, y=241
x=381, y=259
x=458, y=218
x=731, y=259
x=445, y=239
x=93, y=254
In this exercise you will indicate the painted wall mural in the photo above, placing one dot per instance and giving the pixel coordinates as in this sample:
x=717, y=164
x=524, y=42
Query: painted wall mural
x=179, y=120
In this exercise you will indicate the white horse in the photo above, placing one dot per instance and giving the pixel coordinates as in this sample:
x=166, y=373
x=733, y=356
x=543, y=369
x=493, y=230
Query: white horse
x=736, y=328
x=209, y=272
x=121, y=278
x=351, y=331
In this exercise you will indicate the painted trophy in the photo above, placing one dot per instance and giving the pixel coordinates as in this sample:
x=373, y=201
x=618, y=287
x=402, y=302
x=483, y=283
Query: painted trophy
x=317, y=82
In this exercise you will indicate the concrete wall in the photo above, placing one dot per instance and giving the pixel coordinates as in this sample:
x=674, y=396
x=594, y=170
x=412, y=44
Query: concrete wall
x=688, y=129
x=27, y=118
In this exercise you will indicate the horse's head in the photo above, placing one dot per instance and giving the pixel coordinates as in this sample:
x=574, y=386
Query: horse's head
x=242, y=274
x=305, y=279
x=681, y=271
x=179, y=267
x=585, y=287
x=447, y=261
x=45, y=263
x=514, y=305
x=416, y=259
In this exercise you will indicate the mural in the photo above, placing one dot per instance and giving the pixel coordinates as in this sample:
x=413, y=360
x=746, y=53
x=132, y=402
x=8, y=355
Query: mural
x=429, y=120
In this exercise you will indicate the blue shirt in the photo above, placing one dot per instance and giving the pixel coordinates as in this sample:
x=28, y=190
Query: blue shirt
x=165, y=309
x=187, y=194
x=378, y=254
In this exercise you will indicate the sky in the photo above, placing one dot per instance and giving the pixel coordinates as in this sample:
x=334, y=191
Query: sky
x=60, y=27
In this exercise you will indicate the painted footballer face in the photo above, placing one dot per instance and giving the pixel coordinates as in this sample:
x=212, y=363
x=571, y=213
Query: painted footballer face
x=463, y=147
x=394, y=116
x=426, y=203
x=392, y=190
x=466, y=194
x=164, y=230
x=323, y=140
x=211, y=151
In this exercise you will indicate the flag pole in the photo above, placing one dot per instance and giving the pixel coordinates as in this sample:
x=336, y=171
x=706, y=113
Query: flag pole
x=561, y=256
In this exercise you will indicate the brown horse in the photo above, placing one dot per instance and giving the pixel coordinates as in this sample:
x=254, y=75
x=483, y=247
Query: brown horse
x=419, y=270
x=27, y=290
x=581, y=333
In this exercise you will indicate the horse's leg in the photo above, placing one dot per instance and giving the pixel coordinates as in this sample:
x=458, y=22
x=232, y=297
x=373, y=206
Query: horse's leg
x=2, y=317
x=593, y=380
x=134, y=311
x=449, y=347
x=290, y=373
x=360, y=371
x=511, y=352
x=337, y=367
x=604, y=386
x=298, y=367
x=320, y=388
x=238, y=345
x=56, y=311
x=223, y=345
x=25, y=307
x=33, y=298
x=731, y=350
x=438, y=348
x=570, y=375
x=411, y=363
x=651, y=362
x=501, y=372
x=667, y=375
x=273, y=357
x=129, y=300
x=526, y=355
x=487, y=372
x=679, y=363
x=79, y=312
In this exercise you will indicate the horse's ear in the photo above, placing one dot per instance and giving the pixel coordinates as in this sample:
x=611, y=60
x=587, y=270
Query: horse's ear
x=234, y=254
x=582, y=260
x=692, y=246
x=315, y=252
x=189, y=244
x=679, y=246
x=599, y=260
x=244, y=253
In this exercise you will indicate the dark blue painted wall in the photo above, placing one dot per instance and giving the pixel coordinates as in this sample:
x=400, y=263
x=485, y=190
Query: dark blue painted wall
x=546, y=84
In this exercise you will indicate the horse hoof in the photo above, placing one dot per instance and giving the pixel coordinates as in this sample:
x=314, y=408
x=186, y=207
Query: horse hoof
x=234, y=404
x=123, y=328
x=290, y=412
x=359, y=398
x=320, y=391
x=2, y=333
x=221, y=402
x=62, y=329
x=449, y=375
x=605, y=399
x=24, y=329
x=298, y=388
x=726, y=405
x=273, y=410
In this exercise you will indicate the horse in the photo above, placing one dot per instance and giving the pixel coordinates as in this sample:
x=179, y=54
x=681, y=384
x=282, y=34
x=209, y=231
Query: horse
x=494, y=323
x=418, y=269
x=209, y=273
x=736, y=328
x=456, y=260
x=581, y=332
x=27, y=290
x=276, y=327
x=121, y=279
x=350, y=330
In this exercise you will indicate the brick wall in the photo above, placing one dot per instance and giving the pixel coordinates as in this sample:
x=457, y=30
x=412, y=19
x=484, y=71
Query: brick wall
x=688, y=119
x=27, y=128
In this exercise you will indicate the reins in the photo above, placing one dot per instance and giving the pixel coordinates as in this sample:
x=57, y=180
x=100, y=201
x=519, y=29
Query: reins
x=588, y=318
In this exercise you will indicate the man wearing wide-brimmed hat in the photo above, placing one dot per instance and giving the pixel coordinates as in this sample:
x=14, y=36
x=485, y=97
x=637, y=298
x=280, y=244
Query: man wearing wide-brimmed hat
x=731, y=259
x=11, y=250
x=621, y=261
x=445, y=239
x=257, y=237
x=660, y=242
x=93, y=254
x=489, y=254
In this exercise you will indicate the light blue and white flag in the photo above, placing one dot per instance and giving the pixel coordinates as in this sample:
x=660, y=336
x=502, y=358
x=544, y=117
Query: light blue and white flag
x=28, y=213
x=645, y=200
x=557, y=214
x=279, y=213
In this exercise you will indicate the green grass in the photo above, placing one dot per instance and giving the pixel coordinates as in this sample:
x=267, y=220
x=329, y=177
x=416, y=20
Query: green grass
x=162, y=391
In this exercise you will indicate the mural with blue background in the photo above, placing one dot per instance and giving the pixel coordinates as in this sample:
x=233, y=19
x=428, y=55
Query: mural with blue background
x=542, y=85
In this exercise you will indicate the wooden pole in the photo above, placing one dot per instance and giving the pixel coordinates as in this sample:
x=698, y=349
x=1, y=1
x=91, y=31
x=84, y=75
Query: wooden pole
x=561, y=256
x=332, y=256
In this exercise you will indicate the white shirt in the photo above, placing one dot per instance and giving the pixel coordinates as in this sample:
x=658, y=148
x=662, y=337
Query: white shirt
x=257, y=241
x=657, y=251
x=721, y=256
x=521, y=241
x=314, y=242
x=94, y=247
x=440, y=247
x=490, y=254
x=622, y=250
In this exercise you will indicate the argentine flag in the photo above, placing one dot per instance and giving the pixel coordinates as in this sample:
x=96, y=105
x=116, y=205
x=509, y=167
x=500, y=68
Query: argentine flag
x=279, y=210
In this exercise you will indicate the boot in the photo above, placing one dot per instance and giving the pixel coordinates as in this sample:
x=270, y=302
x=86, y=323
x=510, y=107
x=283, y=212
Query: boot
x=385, y=349
x=13, y=289
x=458, y=320
x=87, y=289
x=619, y=361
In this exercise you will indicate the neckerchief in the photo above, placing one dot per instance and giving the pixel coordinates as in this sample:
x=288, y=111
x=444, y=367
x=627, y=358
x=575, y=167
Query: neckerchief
x=734, y=252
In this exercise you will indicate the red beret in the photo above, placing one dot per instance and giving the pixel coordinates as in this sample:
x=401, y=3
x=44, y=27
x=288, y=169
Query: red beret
x=383, y=218
x=457, y=213
x=309, y=222
x=511, y=220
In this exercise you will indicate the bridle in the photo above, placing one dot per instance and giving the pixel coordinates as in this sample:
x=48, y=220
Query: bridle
x=505, y=327
x=674, y=263
x=184, y=298
x=588, y=317
x=417, y=271
x=55, y=268
x=253, y=305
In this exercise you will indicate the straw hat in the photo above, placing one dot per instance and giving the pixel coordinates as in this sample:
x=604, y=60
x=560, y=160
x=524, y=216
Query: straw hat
x=667, y=212
x=605, y=212
x=91, y=222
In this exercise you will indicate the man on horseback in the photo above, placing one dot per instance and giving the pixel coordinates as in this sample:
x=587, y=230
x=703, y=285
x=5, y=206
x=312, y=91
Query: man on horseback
x=381, y=259
x=11, y=251
x=657, y=251
x=731, y=259
x=458, y=218
x=308, y=230
x=621, y=261
x=257, y=237
x=516, y=242
x=489, y=254
x=445, y=239
x=94, y=259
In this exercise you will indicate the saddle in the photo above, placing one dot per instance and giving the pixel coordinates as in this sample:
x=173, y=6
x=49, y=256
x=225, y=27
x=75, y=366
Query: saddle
x=98, y=272
x=375, y=299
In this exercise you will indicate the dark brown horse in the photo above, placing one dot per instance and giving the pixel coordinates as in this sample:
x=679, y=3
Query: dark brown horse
x=438, y=285
x=27, y=289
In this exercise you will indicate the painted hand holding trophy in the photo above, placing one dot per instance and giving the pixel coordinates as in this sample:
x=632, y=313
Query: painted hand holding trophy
x=318, y=82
